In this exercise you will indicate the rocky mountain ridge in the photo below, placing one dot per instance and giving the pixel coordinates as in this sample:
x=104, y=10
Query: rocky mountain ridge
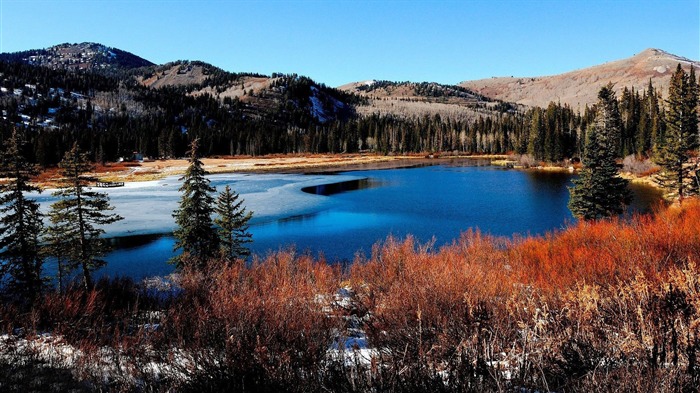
x=580, y=87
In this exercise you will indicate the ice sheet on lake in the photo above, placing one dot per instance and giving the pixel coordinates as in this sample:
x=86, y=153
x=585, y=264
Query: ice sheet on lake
x=147, y=207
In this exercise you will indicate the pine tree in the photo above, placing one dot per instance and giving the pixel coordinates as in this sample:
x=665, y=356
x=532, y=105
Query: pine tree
x=599, y=191
x=20, y=222
x=650, y=122
x=195, y=233
x=78, y=217
x=681, y=137
x=232, y=222
x=537, y=135
x=55, y=245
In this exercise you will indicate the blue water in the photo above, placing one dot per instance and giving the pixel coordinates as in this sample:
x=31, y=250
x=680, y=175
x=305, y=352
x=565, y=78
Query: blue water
x=429, y=202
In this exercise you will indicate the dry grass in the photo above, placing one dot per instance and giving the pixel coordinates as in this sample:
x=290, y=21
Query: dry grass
x=605, y=306
x=153, y=170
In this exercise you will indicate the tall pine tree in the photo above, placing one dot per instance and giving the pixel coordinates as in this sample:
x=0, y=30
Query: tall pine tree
x=20, y=222
x=232, y=222
x=55, y=244
x=195, y=233
x=679, y=176
x=78, y=218
x=599, y=191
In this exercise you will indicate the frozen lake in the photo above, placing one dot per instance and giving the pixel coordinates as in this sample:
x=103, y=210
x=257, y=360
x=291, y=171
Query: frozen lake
x=340, y=215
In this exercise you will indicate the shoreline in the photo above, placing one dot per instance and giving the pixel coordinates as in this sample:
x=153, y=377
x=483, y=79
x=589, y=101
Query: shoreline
x=134, y=174
x=137, y=172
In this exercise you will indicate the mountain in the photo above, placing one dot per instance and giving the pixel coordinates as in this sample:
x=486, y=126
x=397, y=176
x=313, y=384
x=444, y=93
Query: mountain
x=115, y=103
x=260, y=95
x=84, y=56
x=580, y=87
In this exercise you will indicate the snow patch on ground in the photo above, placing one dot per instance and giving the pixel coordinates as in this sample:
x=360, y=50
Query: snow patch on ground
x=677, y=58
x=317, y=108
x=106, y=362
x=350, y=346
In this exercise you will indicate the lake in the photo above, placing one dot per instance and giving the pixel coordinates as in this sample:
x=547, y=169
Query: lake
x=343, y=214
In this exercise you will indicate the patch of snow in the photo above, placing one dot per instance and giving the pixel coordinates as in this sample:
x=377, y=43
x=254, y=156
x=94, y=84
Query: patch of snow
x=106, y=362
x=354, y=357
x=317, y=107
x=680, y=59
x=661, y=69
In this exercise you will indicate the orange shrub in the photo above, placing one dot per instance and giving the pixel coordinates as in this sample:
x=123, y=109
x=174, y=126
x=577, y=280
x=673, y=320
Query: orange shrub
x=257, y=327
x=602, y=305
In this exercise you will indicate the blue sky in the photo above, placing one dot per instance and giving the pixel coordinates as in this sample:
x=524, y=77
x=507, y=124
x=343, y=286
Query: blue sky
x=337, y=42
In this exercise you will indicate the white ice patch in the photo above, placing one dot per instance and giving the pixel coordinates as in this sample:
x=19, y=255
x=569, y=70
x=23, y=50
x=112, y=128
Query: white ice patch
x=147, y=207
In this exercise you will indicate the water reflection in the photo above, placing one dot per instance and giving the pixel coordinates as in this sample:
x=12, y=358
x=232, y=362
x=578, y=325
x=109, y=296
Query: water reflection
x=645, y=198
x=466, y=162
x=135, y=241
x=337, y=188
x=299, y=218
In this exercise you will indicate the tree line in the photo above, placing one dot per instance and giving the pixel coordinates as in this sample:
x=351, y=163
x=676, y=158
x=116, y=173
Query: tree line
x=172, y=120
x=672, y=141
x=160, y=123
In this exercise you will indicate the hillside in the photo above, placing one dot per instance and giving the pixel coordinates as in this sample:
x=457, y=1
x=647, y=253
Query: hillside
x=412, y=99
x=259, y=94
x=580, y=87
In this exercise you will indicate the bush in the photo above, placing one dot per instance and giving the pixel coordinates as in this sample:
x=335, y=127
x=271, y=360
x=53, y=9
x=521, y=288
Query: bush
x=639, y=166
x=263, y=327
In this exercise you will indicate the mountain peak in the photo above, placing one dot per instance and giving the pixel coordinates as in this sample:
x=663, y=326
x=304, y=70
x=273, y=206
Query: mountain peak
x=82, y=56
x=651, y=52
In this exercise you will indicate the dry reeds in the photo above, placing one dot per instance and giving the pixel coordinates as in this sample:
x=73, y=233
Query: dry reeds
x=604, y=306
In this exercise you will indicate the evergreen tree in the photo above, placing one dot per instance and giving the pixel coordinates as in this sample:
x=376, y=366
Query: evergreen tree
x=650, y=122
x=232, y=222
x=599, y=191
x=55, y=245
x=20, y=222
x=78, y=217
x=537, y=135
x=195, y=233
x=681, y=137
